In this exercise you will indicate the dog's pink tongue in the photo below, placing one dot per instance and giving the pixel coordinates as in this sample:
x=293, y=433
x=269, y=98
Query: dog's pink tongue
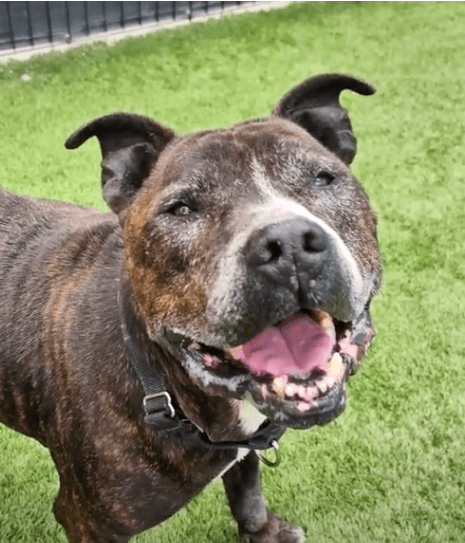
x=296, y=346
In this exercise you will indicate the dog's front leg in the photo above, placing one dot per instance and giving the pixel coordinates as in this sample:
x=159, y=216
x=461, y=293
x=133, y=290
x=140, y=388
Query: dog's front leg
x=256, y=524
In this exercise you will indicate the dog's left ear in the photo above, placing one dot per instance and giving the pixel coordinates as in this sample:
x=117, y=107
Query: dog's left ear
x=315, y=106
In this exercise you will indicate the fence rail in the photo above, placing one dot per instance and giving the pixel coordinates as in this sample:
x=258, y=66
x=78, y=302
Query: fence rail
x=26, y=25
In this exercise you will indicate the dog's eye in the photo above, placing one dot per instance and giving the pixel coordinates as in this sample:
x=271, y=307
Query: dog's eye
x=180, y=209
x=181, y=204
x=323, y=179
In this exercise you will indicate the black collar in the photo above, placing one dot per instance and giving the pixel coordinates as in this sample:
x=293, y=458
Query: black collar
x=160, y=413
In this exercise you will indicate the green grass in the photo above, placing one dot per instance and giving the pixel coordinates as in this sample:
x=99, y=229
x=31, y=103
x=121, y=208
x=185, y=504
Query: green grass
x=392, y=468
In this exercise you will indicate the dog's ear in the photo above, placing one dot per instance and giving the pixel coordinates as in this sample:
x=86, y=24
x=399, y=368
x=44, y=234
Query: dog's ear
x=130, y=145
x=315, y=106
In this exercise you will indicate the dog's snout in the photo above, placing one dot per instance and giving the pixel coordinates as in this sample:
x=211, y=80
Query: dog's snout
x=282, y=250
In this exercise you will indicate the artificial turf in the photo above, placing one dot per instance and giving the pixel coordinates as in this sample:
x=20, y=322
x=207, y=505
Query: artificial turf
x=392, y=467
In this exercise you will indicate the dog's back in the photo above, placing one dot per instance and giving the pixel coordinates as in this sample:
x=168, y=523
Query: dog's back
x=39, y=240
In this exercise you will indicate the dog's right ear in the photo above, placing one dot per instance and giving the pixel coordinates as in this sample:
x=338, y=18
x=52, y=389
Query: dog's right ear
x=130, y=146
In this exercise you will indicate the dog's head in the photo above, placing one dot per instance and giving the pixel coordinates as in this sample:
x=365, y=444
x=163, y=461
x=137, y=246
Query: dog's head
x=251, y=252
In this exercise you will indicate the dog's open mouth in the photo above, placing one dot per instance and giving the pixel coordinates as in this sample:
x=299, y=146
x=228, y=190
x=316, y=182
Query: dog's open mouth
x=294, y=372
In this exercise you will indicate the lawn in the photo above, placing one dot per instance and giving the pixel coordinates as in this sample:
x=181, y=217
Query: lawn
x=391, y=469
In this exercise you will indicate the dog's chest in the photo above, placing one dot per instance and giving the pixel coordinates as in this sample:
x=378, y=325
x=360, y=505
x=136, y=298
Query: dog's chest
x=250, y=420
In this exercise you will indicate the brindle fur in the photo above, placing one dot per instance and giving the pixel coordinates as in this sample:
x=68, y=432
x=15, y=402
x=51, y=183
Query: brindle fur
x=70, y=277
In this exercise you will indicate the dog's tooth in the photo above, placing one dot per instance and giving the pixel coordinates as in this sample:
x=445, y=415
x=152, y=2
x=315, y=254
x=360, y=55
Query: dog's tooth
x=279, y=385
x=335, y=366
x=290, y=390
x=322, y=385
x=300, y=391
x=330, y=382
x=325, y=384
x=326, y=322
x=236, y=352
x=303, y=406
x=310, y=393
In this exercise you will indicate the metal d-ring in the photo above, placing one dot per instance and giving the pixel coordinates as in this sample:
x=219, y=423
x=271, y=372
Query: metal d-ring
x=277, y=453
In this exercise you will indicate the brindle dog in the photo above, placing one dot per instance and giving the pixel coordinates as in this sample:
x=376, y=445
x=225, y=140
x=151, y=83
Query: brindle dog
x=236, y=270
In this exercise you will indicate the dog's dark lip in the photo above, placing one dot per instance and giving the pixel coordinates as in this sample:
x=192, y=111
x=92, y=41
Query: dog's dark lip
x=312, y=399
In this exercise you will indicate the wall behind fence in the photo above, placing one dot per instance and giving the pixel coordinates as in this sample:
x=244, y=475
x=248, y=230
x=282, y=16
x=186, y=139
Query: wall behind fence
x=34, y=25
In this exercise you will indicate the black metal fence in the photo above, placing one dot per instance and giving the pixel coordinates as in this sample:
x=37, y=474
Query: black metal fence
x=25, y=25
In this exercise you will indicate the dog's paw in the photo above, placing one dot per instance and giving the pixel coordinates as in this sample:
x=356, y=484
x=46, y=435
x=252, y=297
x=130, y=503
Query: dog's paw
x=275, y=531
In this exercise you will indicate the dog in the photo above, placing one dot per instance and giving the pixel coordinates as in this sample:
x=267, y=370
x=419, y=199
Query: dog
x=224, y=298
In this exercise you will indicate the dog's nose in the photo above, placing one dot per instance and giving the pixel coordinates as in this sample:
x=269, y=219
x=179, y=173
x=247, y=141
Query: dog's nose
x=293, y=248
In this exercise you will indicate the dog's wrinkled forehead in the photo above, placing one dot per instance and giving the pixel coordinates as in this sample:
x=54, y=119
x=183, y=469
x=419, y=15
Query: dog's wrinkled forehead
x=247, y=160
x=231, y=172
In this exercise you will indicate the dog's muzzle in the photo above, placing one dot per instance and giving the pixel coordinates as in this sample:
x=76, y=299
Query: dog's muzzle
x=298, y=330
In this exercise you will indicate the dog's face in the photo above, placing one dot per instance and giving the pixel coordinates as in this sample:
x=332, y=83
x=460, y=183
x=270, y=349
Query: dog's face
x=251, y=252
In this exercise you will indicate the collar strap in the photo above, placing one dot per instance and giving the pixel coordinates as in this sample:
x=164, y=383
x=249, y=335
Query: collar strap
x=160, y=413
x=158, y=407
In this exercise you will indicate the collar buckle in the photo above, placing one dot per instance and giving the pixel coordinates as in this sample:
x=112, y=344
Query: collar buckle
x=159, y=411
